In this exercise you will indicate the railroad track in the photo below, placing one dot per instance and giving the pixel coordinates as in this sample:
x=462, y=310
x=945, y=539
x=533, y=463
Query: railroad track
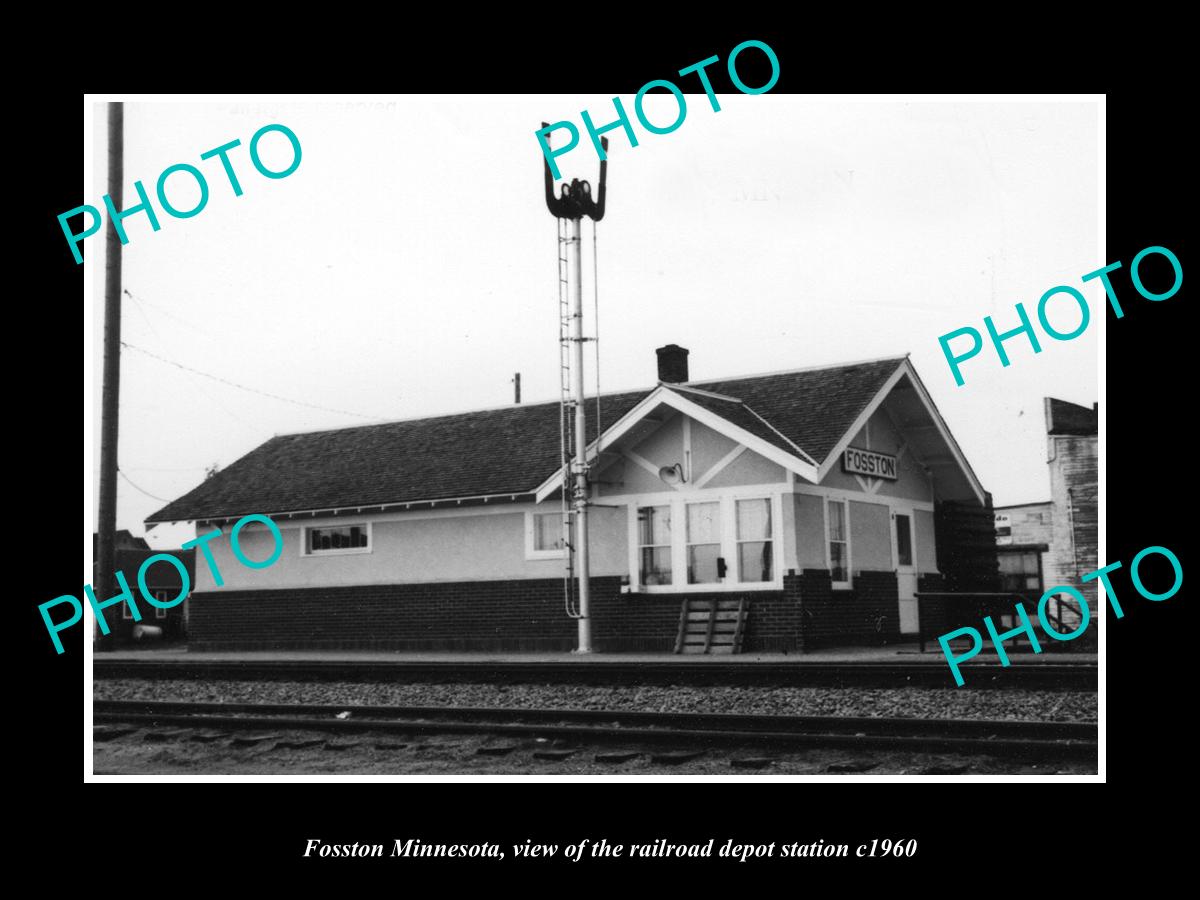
x=992, y=737
x=1031, y=676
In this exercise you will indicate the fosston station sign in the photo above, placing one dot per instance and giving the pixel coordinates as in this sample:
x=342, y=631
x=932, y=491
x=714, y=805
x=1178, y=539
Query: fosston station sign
x=868, y=462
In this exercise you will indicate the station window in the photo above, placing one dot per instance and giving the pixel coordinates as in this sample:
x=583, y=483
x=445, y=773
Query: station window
x=126, y=612
x=754, y=540
x=333, y=539
x=839, y=544
x=544, y=537
x=654, y=545
x=161, y=597
x=704, y=543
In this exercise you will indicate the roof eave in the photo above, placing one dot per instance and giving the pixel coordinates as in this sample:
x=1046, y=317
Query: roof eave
x=355, y=509
x=805, y=468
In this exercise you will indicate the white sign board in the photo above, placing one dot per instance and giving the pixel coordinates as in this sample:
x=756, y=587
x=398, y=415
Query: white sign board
x=868, y=462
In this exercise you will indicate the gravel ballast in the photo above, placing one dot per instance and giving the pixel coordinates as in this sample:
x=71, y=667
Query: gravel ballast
x=1050, y=706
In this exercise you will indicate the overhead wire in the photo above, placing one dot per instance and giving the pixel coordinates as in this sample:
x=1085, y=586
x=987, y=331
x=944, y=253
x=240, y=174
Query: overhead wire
x=121, y=472
x=234, y=384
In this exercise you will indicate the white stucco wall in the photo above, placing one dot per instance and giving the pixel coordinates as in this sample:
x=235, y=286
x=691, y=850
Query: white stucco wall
x=878, y=434
x=926, y=549
x=870, y=537
x=810, y=531
x=419, y=548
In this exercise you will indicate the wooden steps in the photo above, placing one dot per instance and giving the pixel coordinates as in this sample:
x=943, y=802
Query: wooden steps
x=712, y=626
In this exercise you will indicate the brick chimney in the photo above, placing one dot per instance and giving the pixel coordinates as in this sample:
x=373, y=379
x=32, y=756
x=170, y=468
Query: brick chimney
x=672, y=363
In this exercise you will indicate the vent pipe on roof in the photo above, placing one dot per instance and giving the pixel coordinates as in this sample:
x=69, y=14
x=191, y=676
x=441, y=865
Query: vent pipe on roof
x=516, y=379
x=672, y=363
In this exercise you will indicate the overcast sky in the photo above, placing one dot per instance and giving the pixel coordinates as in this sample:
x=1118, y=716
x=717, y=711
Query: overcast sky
x=407, y=267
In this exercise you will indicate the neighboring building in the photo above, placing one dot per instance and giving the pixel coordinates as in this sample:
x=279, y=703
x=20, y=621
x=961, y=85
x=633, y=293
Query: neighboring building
x=823, y=496
x=1057, y=539
x=1022, y=539
x=162, y=580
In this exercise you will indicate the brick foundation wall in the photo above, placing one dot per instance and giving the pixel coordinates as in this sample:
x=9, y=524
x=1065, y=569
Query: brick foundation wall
x=645, y=623
x=866, y=615
x=528, y=615
x=513, y=616
x=520, y=615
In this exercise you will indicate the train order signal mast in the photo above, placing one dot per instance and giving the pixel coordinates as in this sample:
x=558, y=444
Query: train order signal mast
x=572, y=202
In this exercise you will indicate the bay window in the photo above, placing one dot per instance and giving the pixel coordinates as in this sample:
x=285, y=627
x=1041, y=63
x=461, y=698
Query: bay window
x=720, y=542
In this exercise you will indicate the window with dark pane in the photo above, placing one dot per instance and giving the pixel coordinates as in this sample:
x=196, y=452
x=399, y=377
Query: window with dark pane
x=703, y=542
x=754, y=540
x=654, y=545
x=1020, y=572
x=904, y=548
x=343, y=537
x=839, y=547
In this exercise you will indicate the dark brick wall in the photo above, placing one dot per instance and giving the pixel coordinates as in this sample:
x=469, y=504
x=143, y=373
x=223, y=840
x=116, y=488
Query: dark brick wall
x=966, y=545
x=650, y=622
x=776, y=621
x=935, y=614
x=525, y=615
x=868, y=614
x=644, y=623
x=528, y=615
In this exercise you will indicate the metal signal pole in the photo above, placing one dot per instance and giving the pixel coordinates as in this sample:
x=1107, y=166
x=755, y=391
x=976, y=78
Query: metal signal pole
x=106, y=562
x=573, y=202
x=579, y=466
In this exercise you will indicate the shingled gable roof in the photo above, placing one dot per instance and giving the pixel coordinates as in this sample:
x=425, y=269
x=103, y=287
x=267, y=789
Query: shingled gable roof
x=506, y=451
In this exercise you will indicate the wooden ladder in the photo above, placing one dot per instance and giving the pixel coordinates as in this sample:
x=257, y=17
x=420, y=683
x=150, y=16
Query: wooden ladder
x=712, y=626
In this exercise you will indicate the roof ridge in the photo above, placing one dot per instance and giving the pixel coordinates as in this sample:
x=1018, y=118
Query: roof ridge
x=451, y=415
x=672, y=385
x=845, y=365
x=512, y=406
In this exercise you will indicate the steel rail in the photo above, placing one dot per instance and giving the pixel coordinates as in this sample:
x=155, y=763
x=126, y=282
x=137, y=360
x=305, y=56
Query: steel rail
x=993, y=737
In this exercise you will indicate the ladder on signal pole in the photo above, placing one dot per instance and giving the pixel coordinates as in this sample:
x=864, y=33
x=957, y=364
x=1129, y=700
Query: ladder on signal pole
x=570, y=205
x=566, y=406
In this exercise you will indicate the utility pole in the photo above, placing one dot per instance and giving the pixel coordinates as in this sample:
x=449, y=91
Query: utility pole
x=573, y=203
x=106, y=563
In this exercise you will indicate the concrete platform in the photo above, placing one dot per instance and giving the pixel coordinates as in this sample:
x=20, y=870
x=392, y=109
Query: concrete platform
x=895, y=654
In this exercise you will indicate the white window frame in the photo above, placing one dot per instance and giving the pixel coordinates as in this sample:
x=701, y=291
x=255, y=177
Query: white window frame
x=531, y=533
x=126, y=612
x=160, y=612
x=848, y=584
x=305, y=553
x=639, y=546
x=722, y=548
x=678, y=502
x=772, y=522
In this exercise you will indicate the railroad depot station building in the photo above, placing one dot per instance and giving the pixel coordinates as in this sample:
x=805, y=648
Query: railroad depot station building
x=823, y=498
